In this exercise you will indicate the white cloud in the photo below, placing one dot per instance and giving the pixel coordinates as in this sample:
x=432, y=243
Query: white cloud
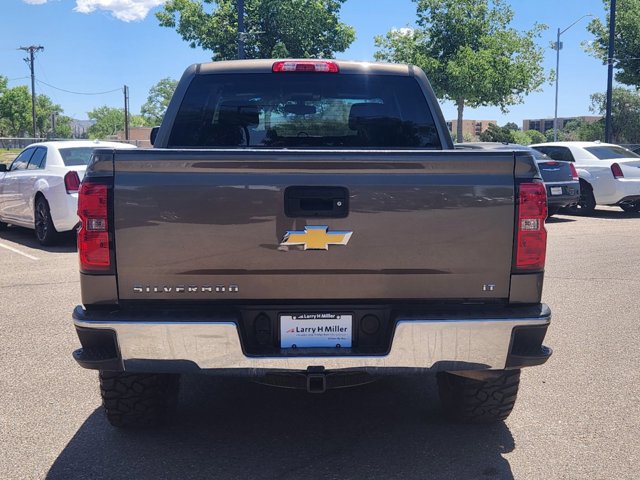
x=125, y=10
x=35, y=2
x=404, y=31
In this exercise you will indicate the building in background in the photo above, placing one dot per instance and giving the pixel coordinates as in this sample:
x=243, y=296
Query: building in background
x=138, y=136
x=470, y=127
x=80, y=127
x=543, y=125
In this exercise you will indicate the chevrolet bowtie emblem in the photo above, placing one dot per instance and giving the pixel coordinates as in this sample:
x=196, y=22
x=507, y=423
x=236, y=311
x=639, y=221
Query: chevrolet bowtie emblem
x=316, y=238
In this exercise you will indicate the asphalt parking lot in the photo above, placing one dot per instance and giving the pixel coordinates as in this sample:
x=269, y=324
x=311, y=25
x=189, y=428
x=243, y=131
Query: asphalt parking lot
x=577, y=417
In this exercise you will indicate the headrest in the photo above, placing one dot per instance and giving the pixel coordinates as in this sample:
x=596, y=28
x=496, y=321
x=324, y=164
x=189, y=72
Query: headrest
x=238, y=113
x=362, y=112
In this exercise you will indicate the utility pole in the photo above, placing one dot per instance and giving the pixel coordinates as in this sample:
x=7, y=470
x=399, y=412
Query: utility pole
x=126, y=112
x=612, y=32
x=30, y=60
x=240, y=29
x=54, y=118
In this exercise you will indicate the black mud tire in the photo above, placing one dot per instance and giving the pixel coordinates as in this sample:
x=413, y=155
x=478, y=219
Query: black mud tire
x=45, y=230
x=466, y=400
x=3, y=226
x=551, y=211
x=587, y=203
x=138, y=400
x=631, y=207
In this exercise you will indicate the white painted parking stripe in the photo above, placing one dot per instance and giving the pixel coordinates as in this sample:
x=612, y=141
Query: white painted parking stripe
x=15, y=250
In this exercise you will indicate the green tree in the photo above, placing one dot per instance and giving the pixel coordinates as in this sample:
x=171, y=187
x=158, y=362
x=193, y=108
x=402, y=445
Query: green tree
x=581, y=130
x=625, y=114
x=549, y=136
x=592, y=131
x=158, y=100
x=469, y=52
x=511, y=126
x=497, y=134
x=110, y=121
x=469, y=137
x=535, y=136
x=63, y=127
x=520, y=137
x=273, y=28
x=45, y=109
x=15, y=111
x=627, y=40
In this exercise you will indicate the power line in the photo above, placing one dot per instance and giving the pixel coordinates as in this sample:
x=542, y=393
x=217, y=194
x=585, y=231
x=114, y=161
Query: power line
x=17, y=78
x=78, y=93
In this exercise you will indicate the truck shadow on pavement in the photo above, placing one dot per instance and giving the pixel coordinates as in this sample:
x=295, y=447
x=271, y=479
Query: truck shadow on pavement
x=562, y=219
x=234, y=429
x=66, y=241
x=617, y=213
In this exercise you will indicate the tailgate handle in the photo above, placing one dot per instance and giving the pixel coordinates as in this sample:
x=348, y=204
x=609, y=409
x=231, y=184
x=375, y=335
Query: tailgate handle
x=327, y=202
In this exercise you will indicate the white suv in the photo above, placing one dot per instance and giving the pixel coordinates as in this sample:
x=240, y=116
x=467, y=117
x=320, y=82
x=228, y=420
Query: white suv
x=609, y=174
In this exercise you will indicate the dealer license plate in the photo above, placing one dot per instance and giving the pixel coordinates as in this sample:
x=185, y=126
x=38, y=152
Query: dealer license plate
x=316, y=330
x=556, y=190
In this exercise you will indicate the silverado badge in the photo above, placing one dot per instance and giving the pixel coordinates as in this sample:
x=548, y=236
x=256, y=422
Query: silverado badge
x=316, y=237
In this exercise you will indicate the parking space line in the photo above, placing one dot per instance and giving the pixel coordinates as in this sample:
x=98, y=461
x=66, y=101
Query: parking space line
x=15, y=250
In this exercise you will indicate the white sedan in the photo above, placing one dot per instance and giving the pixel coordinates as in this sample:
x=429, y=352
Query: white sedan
x=39, y=189
x=609, y=174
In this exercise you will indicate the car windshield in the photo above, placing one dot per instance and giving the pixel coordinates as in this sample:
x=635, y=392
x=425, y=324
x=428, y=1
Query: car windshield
x=304, y=110
x=605, y=152
x=76, y=156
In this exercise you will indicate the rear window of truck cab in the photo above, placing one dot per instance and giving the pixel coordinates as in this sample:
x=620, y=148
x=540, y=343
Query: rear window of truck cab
x=304, y=110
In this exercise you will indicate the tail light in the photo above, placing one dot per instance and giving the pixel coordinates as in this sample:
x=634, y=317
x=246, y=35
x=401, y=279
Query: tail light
x=531, y=246
x=320, y=66
x=72, y=182
x=574, y=172
x=93, y=234
x=617, y=171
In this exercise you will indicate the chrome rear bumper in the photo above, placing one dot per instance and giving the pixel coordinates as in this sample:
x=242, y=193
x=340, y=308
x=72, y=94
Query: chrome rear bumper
x=418, y=343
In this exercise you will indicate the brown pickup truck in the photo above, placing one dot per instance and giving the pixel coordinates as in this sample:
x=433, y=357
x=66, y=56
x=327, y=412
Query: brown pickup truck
x=309, y=224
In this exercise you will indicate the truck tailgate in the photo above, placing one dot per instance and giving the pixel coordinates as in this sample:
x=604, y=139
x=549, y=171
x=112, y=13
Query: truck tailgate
x=208, y=224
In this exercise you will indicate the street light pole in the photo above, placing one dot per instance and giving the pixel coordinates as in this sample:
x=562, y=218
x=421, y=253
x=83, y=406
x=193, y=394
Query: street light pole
x=126, y=112
x=555, y=115
x=558, y=47
x=612, y=34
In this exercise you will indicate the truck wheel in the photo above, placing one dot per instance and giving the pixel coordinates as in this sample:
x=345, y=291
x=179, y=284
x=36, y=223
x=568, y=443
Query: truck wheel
x=3, y=226
x=138, y=400
x=45, y=231
x=467, y=400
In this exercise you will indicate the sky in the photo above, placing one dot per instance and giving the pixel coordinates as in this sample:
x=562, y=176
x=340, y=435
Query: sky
x=97, y=46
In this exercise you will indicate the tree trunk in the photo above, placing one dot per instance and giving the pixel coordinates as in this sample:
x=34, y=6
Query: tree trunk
x=460, y=105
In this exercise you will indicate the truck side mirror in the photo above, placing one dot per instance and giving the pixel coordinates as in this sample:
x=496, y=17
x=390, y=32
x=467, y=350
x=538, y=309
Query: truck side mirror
x=3, y=167
x=153, y=135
